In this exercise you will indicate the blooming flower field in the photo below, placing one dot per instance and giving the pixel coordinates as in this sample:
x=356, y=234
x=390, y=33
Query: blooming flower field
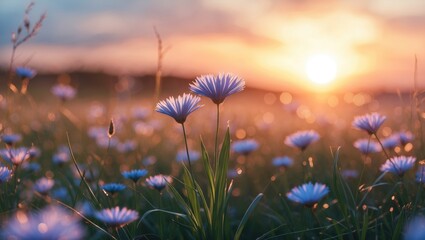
x=208, y=158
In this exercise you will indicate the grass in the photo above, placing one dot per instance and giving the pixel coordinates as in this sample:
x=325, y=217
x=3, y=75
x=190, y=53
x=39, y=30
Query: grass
x=255, y=203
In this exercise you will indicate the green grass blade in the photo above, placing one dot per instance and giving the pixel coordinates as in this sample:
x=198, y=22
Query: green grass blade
x=247, y=214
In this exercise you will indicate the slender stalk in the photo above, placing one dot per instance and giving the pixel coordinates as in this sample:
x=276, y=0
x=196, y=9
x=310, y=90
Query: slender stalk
x=187, y=148
x=161, y=218
x=385, y=152
x=216, y=136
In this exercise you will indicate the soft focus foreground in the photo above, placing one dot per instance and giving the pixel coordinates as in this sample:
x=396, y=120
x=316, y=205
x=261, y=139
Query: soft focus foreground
x=91, y=148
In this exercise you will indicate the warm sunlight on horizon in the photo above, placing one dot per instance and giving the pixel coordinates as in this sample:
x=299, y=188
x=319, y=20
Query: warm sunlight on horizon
x=321, y=69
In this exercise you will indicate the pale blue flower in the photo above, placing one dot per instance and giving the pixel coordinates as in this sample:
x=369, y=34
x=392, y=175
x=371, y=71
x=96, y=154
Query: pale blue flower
x=398, y=165
x=44, y=185
x=369, y=122
x=217, y=88
x=415, y=228
x=5, y=174
x=283, y=161
x=391, y=142
x=420, y=174
x=51, y=222
x=11, y=139
x=179, y=108
x=182, y=156
x=308, y=194
x=349, y=173
x=158, y=182
x=15, y=156
x=367, y=146
x=135, y=174
x=116, y=217
x=245, y=146
x=24, y=72
x=405, y=137
x=302, y=139
x=64, y=92
x=113, y=188
x=126, y=146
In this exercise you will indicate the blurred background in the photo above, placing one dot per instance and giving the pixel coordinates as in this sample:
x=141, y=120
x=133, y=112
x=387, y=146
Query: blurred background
x=274, y=45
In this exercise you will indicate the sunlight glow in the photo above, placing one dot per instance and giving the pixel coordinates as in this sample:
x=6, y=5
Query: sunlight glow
x=321, y=69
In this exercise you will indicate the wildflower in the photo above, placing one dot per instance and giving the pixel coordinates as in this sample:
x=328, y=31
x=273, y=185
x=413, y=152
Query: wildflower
x=140, y=113
x=113, y=188
x=24, y=72
x=158, y=182
x=420, y=174
x=369, y=122
x=284, y=161
x=179, y=108
x=245, y=147
x=415, y=228
x=127, y=146
x=398, y=165
x=308, y=194
x=302, y=139
x=116, y=217
x=44, y=185
x=5, y=174
x=15, y=156
x=217, y=88
x=390, y=142
x=135, y=174
x=350, y=173
x=34, y=152
x=51, y=222
x=182, y=156
x=366, y=146
x=64, y=92
x=405, y=137
x=11, y=139
x=31, y=166
x=61, y=158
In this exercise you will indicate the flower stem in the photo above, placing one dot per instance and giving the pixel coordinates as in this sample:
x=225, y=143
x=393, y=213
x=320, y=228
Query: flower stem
x=216, y=136
x=187, y=148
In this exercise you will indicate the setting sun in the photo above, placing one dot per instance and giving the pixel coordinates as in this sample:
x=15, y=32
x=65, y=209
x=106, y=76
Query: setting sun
x=321, y=69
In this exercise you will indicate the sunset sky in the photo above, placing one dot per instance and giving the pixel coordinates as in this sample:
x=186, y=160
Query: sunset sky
x=269, y=42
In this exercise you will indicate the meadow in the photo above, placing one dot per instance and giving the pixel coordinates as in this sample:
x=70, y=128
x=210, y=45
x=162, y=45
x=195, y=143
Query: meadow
x=97, y=156
x=72, y=144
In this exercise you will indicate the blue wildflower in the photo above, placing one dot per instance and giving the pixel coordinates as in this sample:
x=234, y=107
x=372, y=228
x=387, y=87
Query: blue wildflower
x=217, y=88
x=116, y=217
x=283, y=161
x=64, y=92
x=398, y=165
x=415, y=228
x=420, y=174
x=5, y=174
x=302, y=139
x=308, y=194
x=51, y=222
x=366, y=146
x=369, y=122
x=11, y=139
x=245, y=146
x=179, y=108
x=158, y=182
x=44, y=185
x=405, y=137
x=391, y=142
x=15, y=156
x=24, y=72
x=113, y=188
x=182, y=156
x=135, y=174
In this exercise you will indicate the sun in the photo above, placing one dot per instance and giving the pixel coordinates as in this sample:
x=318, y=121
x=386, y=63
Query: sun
x=321, y=69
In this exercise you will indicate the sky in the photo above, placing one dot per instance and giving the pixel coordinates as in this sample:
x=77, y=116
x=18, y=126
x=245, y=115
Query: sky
x=266, y=42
